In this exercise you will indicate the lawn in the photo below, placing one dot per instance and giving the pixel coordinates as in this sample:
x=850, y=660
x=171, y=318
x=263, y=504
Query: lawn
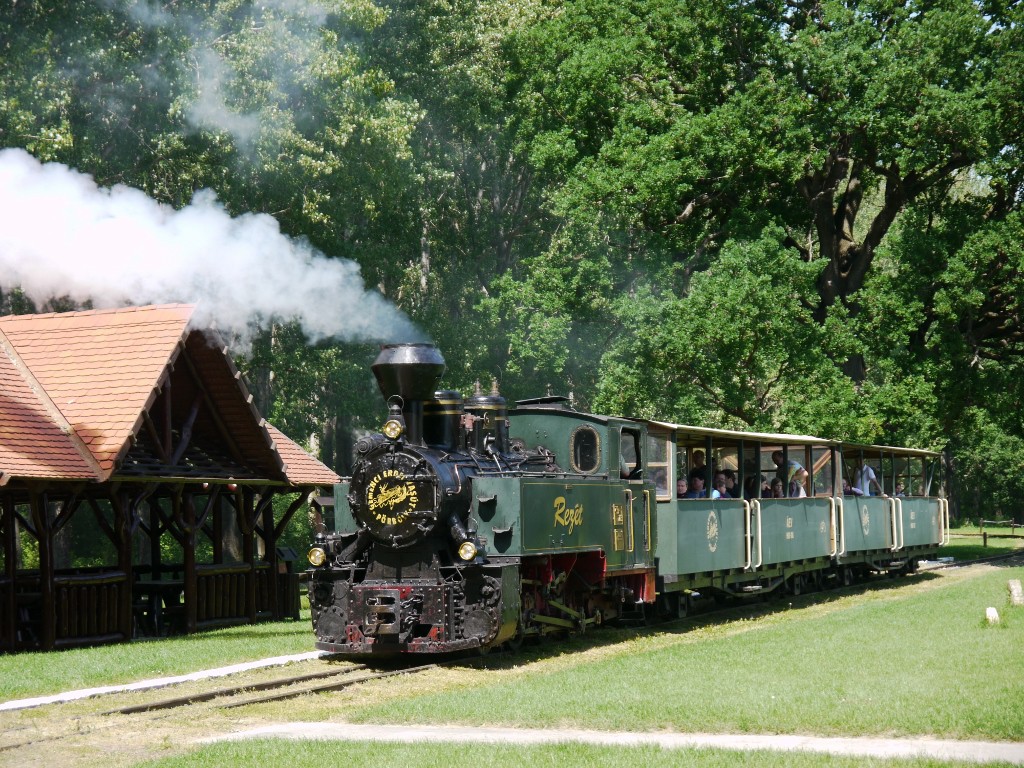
x=25, y=675
x=280, y=752
x=913, y=660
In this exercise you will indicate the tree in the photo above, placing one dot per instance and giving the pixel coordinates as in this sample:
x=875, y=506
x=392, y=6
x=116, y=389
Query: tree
x=674, y=126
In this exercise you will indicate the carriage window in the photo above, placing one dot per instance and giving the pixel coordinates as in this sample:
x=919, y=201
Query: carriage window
x=658, y=458
x=822, y=482
x=585, y=449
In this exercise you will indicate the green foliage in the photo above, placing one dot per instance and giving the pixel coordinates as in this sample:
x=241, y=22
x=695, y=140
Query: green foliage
x=799, y=216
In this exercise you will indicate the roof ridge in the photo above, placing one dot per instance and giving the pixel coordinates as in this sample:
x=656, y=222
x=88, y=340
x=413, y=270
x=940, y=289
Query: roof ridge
x=50, y=407
x=101, y=311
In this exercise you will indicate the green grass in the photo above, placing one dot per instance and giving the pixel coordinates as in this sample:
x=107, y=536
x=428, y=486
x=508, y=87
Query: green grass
x=892, y=662
x=966, y=544
x=281, y=752
x=25, y=675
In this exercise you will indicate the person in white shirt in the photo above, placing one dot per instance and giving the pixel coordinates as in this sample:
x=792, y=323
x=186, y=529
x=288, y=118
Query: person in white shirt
x=864, y=478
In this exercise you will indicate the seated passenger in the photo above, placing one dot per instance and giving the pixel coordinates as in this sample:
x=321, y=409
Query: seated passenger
x=696, y=488
x=681, y=488
x=900, y=489
x=719, y=491
x=777, y=488
x=849, y=490
x=730, y=483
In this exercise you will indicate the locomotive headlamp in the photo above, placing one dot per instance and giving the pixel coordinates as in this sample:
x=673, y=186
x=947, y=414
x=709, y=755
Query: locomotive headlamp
x=317, y=557
x=467, y=550
x=392, y=429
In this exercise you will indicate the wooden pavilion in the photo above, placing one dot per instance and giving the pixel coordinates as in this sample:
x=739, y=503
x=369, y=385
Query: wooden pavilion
x=140, y=490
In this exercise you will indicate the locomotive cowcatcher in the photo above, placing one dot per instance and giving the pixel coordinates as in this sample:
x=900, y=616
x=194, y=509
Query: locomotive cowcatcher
x=464, y=527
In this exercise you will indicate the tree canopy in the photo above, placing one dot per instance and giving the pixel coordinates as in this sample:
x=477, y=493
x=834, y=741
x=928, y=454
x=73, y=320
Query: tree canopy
x=778, y=215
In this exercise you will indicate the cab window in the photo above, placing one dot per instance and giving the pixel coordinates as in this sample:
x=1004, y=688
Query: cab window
x=629, y=454
x=585, y=449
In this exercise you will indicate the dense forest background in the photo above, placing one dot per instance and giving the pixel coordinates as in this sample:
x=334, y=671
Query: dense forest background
x=789, y=216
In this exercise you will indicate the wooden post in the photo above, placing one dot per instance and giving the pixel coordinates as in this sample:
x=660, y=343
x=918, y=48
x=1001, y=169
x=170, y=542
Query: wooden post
x=47, y=597
x=246, y=503
x=124, y=511
x=10, y=607
x=186, y=512
x=270, y=555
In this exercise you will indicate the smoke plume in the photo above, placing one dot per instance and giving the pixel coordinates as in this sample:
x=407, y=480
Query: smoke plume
x=62, y=235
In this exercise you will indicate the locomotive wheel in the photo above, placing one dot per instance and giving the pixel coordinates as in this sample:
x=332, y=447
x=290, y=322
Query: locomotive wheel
x=796, y=585
x=515, y=643
x=683, y=607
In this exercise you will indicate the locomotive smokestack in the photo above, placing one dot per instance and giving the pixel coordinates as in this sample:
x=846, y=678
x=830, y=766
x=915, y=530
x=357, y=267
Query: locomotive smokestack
x=412, y=372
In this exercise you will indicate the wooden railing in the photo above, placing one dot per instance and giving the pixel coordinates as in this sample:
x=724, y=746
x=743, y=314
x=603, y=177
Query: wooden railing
x=90, y=607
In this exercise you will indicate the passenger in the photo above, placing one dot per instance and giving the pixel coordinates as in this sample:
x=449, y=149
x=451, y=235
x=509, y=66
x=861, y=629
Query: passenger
x=900, y=489
x=776, y=488
x=798, y=484
x=681, y=488
x=696, y=488
x=718, y=479
x=849, y=490
x=730, y=483
x=752, y=489
x=698, y=463
x=660, y=480
x=785, y=473
x=864, y=478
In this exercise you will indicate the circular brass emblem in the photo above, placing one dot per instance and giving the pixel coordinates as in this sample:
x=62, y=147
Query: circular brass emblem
x=712, y=530
x=391, y=496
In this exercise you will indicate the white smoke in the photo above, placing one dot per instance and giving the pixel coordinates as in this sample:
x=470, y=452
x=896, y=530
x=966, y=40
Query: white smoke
x=62, y=235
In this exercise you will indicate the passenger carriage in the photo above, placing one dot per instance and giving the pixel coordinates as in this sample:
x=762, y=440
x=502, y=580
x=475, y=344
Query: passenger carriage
x=758, y=544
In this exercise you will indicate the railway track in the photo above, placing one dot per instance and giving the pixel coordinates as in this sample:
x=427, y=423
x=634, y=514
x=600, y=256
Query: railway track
x=273, y=690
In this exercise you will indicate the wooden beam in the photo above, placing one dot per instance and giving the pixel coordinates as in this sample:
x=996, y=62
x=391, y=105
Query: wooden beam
x=233, y=448
x=158, y=443
x=186, y=431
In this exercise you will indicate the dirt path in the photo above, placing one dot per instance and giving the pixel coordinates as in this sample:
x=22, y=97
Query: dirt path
x=940, y=749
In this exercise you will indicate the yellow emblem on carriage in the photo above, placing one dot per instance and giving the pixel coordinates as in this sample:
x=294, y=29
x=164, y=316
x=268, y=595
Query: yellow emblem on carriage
x=391, y=496
x=567, y=517
x=712, y=530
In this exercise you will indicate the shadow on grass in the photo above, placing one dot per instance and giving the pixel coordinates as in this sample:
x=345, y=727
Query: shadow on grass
x=705, y=614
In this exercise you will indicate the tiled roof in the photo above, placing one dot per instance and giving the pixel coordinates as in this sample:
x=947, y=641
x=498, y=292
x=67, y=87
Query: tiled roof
x=35, y=440
x=76, y=388
x=301, y=468
x=100, y=367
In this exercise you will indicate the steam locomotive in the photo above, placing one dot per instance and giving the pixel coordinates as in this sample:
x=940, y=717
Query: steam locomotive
x=467, y=524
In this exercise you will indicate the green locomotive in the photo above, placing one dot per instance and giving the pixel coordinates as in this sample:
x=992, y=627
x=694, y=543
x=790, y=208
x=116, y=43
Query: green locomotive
x=467, y=525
